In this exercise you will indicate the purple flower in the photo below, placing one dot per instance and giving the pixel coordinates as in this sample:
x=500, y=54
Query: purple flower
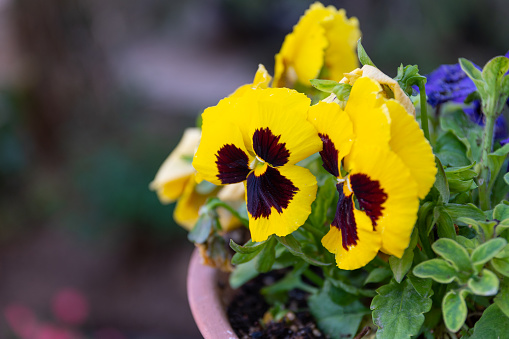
x=448, y=83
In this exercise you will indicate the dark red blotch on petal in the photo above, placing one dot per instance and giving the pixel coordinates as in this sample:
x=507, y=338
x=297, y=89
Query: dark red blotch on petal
x=267, y=146
x=232, y=164
x=345, y=219
x=369, y=194
x=329, y=155
x=270, y=189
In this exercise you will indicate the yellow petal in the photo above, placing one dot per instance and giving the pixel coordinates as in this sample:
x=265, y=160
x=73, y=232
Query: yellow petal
x=342, y=34
x=295, y=214
x=336, y=131
x=233, y=195
x=188, y=206
x=357, y=256
x=409, y=143
x=399, y=211
x=218, y=136
x=364, y=107
x=284, y=112
x=176, y=171
x=261, y=80
x=303, y=50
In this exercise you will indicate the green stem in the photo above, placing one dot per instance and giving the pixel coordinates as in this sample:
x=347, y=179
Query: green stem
x=484, y=175
x=218, y=203
x=424, y=110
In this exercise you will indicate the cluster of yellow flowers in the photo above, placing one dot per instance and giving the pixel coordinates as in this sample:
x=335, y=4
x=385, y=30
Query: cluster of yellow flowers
x=253, y=140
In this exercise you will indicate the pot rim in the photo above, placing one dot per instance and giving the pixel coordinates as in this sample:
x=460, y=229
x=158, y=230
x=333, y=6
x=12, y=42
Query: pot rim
x=205, y=302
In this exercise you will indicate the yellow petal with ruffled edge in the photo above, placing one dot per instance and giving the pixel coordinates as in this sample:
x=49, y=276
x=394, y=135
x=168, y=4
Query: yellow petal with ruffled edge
x=284, y=112
x=357, y=256
x=176, y=171
x=399, y=211
x=371, y=123
x=188, y=206
x=294, y=215
x=336, y=131
x=302, y=54
x=342, y=34
x=221, y=144
x=261, y=80
x=409, y=143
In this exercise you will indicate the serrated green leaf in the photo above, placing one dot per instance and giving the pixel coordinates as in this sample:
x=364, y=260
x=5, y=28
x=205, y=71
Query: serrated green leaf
x=486, y=284
x=501, y=265
x=421, y=286
x=493, y=324
x=454, y=253
x=379, y=274
x=267, y=256
x=487, y=251
x=437, y=269
x=363, y=56
x=454, y=309
x=335, y=320
x=502, y=298
x=398, y=310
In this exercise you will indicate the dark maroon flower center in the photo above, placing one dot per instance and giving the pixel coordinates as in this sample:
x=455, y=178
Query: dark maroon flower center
x=267, y=146
x=329, y=155
x=268, y=190
x=232, y=164
x=369, y=194
x=344, y=219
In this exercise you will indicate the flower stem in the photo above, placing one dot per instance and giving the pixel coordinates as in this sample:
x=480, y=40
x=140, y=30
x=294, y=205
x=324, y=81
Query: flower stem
x=424, y=110
x=215, y=202
x=484, y=175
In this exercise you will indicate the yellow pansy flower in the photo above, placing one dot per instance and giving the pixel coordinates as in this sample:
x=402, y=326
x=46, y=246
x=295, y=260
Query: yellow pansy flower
x=257, y=139
x=324, y=36
x=389, y=165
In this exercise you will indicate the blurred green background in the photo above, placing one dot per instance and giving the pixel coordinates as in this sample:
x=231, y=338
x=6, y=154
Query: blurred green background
x=95, y=94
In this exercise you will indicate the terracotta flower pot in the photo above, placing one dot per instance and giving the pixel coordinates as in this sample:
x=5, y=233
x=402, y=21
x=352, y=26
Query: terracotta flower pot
x=208, y=293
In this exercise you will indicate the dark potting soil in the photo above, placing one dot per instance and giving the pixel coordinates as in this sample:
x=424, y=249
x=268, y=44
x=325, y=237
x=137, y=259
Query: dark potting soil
x=248, y=307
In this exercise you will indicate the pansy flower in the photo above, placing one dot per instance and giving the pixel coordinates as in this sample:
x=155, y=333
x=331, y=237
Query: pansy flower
x=324, y=36
x=257, y=139
x=383, y=164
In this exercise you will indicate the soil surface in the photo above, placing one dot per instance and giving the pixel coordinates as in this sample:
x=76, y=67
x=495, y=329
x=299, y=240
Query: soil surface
x=248, y=309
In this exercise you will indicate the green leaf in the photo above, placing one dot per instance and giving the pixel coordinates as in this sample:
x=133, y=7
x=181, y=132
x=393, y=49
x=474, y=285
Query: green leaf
x=379, y=274
x=501, y=211
x=400, y=267
x=501, y=265
x=454, y=309
x=445, y=226
x=242, y=274
x=398, y=310
x=493, y=324
x=248, y=248
x=468, y=132
x=502, y=298
x=326, y=194
x=506, y=178
x=342, y=91
x=493, y=72
x=441, y=183
x=421, y=286
x=267, y=256
x=487, y=284
x=457, y=211
x=202, y=228
x=335, y=320
x=469, y=68
x=294, y=247
x=408, y=76
x=487, y=251
x=450, y=150
x=454, y=253
x=437, y=269
x=363, y=56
